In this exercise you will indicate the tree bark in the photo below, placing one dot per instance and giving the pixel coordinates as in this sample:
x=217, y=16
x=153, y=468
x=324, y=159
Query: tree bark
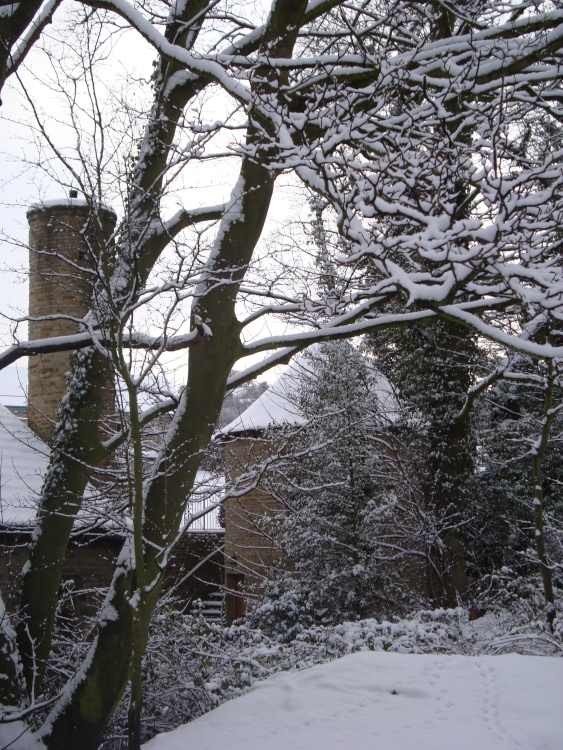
x=96, y=691
x=76, y=448
x=539, y=530
x=76, y=452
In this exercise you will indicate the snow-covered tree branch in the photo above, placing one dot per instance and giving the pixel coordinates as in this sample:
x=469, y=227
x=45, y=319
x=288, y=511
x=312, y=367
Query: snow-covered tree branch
x=431, y=133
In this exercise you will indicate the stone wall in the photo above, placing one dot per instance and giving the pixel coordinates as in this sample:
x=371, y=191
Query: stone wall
x=249, y=549
x=196, y=569
x=87, y=567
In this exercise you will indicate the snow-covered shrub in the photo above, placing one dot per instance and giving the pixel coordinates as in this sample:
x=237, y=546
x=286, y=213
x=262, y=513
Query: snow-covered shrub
x=193, y=665
x=516, y=620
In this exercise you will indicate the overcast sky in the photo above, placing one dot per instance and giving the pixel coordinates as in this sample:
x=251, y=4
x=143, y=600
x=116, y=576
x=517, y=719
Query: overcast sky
x=22, y=185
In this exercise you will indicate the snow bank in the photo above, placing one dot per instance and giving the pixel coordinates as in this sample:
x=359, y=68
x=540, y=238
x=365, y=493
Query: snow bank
x=394, y=702
x=17, y=736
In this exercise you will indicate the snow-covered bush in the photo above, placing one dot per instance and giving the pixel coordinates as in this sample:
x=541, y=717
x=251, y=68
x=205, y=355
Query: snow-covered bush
x=193, y=665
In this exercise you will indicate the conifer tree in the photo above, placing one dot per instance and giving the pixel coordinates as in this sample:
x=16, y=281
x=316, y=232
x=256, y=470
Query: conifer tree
x=339, y=482
x=433, y=368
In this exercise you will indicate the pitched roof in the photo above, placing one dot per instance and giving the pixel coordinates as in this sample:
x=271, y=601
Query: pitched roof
x=276, y=406
x=279, y=404
x=23, y=461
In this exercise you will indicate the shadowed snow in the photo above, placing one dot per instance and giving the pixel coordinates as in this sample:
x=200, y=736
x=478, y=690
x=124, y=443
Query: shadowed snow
x=390, y=701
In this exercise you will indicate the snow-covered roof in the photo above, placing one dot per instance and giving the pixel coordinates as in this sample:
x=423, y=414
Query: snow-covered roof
x=23, y=461
x=278, y=405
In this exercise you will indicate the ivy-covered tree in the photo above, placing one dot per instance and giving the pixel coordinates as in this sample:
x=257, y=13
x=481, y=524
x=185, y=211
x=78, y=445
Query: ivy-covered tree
x=512, y=422
x=310, y=89
x=433, y=368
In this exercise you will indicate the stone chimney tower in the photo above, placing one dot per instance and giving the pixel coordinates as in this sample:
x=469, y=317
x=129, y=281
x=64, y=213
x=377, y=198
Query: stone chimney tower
x=64, y=237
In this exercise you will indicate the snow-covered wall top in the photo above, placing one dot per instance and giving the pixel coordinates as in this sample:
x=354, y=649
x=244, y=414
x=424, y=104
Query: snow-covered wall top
x=64, y=203
x=23, y=461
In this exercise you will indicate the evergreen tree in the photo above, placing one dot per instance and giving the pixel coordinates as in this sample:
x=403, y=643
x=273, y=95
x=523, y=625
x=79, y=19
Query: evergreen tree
x=338, y=480
x=433, y=368
x=510, y=421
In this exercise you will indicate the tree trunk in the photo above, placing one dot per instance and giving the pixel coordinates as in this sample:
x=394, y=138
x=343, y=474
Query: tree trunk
x=11, y=687
x=539, y=531
x=96, y=691
x=76, y=446
x=98, y=688
x=67, y=478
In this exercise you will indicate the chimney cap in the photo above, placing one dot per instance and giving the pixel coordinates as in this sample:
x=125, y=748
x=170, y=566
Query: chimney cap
x=62, y=203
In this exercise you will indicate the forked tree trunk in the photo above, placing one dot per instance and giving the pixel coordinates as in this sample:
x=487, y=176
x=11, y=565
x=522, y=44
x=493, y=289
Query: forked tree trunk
x=74, y=449
x=67, y=478
x=79, y=720
x=81, y=717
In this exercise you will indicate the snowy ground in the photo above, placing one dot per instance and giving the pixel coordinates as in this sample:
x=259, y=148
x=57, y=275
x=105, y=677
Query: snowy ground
x=382, y=701
x=389, y=701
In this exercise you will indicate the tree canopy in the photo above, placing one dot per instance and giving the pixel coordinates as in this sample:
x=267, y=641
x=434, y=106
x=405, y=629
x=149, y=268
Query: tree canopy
x=431, y=130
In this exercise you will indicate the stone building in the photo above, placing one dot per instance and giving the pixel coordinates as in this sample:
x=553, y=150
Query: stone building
x=195, y=570
x=69, y=244
x=67, y=240
x=23, y=461
x=249, y=548
x=248, y=444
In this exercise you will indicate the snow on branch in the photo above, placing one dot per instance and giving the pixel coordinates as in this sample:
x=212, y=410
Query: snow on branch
x=32, y=34
x=82, y=340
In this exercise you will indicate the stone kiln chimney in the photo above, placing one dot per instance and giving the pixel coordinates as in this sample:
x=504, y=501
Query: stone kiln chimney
x=64, y=238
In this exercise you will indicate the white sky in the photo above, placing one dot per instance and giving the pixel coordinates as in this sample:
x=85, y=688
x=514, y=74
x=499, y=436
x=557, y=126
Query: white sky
x=21, y=185
x=13, y=381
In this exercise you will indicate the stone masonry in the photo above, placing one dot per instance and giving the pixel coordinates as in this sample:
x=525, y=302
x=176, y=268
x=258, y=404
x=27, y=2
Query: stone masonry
x=66, y=240
x=250, y=550
x=89, y=566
